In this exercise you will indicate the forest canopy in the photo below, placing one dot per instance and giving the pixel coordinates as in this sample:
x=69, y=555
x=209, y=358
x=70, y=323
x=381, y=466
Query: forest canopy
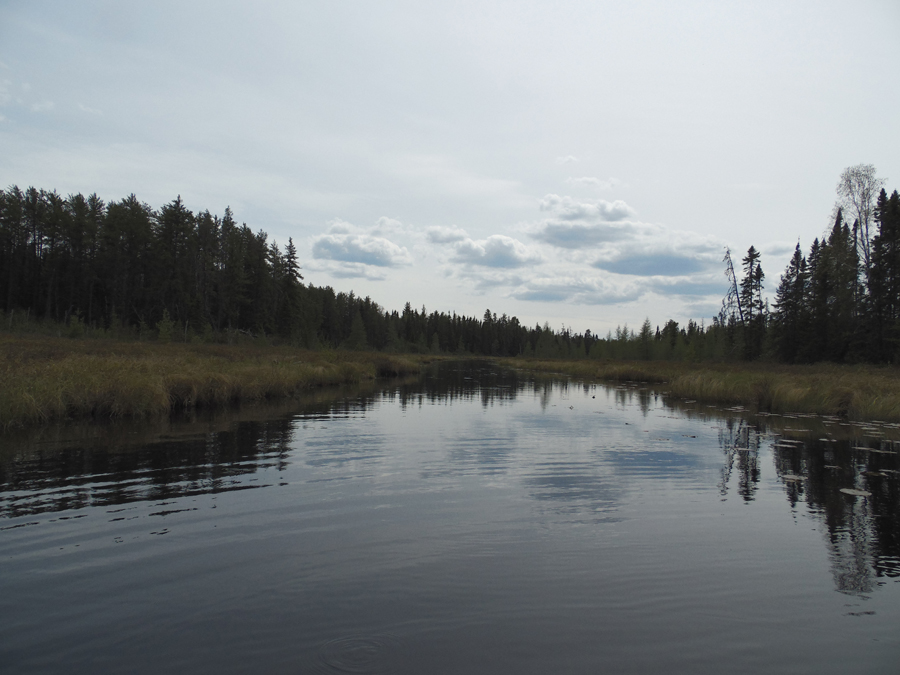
x=126, y=269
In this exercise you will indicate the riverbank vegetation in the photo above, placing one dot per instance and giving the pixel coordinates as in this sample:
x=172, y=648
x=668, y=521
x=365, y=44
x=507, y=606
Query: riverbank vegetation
x=49, y=379
x=119, y=310
x=859, y=392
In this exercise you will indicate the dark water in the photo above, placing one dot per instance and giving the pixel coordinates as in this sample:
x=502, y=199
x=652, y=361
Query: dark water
x=473, y=522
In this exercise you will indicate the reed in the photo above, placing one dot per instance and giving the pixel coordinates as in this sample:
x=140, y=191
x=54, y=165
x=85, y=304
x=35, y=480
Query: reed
x=860, y=392
x=43, y=379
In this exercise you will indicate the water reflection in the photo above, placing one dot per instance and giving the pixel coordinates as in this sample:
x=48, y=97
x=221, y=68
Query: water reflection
x=577, y=454
x=862, y=530
x=740, y=444
x=815, y=461
x=76, y=477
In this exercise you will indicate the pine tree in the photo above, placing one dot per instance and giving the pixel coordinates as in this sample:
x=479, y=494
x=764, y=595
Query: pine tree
x=751, y=300
x=884, y=281
x=790, y=309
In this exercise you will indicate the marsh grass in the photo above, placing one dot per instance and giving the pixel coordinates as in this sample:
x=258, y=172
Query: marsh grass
x=857, y=392
x=44, y=379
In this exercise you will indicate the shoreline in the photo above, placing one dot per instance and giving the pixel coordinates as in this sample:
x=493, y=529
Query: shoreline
x=855, y=392
x=48, y=379
x=52, y=379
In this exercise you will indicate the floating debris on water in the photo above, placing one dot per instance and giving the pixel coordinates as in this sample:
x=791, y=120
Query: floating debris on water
x=853, y=492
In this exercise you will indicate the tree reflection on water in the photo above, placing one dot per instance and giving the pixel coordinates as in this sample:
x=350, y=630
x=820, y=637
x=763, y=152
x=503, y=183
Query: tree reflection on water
x=813, y=458
x=863, y=532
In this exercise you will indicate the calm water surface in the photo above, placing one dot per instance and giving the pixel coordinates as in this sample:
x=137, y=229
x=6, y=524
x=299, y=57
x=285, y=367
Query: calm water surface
x=474, y=521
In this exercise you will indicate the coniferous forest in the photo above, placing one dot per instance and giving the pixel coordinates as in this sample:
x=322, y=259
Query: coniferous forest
x=126, y=270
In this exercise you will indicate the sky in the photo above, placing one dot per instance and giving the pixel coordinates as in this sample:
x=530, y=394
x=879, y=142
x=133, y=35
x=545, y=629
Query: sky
x=580, y=163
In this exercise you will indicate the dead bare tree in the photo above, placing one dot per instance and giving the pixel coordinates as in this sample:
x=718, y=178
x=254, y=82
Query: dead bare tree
x=857, y=191
x=733, y=297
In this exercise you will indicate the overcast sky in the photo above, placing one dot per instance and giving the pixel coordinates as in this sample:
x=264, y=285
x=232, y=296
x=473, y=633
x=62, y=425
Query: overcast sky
x=584, y=163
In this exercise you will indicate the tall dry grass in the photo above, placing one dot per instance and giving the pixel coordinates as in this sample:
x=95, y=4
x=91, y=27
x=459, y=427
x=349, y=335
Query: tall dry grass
x=44, y=378
x=859, y=392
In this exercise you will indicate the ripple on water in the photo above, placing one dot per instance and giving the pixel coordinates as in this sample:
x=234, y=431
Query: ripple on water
x=359, y=654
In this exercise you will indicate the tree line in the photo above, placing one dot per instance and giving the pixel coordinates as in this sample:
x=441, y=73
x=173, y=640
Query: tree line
x=125, y=269
x=839, y=302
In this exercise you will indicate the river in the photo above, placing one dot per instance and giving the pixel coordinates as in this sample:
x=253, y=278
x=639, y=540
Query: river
x=472, y=520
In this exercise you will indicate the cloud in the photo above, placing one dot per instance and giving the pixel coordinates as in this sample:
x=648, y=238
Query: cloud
x=338, y=226
x=649, y=250
x=603, y=184
x=487, y=279
x=578, y=290
x=343, y=242
x=566, y=208
x=566, y=159
x=446, y=235
x=672, y=264
x=695, y=287
x=385, y=226
x=496, y=251
x=43, y=106
x=345, y=270
x=580, y=235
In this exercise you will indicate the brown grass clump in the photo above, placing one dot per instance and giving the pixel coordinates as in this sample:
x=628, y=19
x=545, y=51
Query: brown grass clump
x=44, y=379
x=859, y=392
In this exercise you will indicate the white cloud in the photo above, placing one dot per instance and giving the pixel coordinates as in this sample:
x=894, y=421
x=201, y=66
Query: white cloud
x=43, y=106
x=657, y=251
x=338, y=226
x=566, y=159
x=580, y=235
x=581, y=290
x=385, y=226
x=566, y=208
x=625, y=247
x=496, y=251
x=697, y=286
x=446, y=235
x=346, y=270
x=487, y=279
x=344, y=242
x=649, y=264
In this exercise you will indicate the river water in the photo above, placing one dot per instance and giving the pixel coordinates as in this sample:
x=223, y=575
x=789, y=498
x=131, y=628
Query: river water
x=474, y=520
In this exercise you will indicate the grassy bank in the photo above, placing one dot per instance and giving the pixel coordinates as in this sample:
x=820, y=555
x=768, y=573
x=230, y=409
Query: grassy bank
x=44, y=379
x=857, y=392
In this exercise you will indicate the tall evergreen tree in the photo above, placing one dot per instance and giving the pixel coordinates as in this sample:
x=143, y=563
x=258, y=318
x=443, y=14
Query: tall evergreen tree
x=884, y=281
x=789, y=321
x=751, y=300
